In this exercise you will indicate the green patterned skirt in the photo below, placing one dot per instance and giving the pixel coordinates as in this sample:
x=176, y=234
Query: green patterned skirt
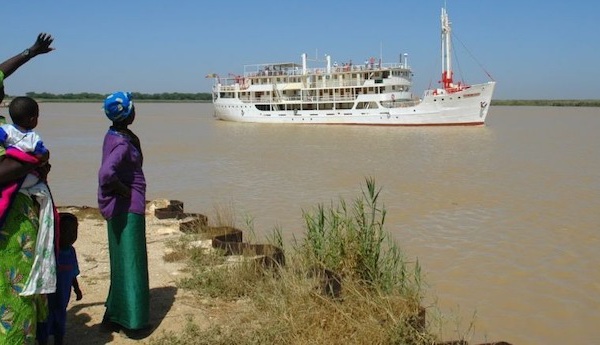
x=19, y=314
x=128, y=301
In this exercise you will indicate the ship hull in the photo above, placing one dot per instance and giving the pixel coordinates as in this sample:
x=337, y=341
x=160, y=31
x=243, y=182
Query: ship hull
x=466, y=107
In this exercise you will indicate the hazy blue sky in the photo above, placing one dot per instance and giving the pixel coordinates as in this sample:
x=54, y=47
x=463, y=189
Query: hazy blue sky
x=533, y=49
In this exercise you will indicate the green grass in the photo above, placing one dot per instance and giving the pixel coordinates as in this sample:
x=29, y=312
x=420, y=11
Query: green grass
x=351, y=241
x=344, y=282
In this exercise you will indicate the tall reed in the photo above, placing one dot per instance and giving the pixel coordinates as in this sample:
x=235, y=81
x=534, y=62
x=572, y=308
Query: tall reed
x=353, y=242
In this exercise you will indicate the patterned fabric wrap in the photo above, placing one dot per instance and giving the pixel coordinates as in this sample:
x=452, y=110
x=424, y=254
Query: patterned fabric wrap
x=19, y=314
x=42, y=278
x=118, y=106
x=9, y=190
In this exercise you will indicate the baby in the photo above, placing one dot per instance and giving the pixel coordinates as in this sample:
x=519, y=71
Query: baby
x=24, y=112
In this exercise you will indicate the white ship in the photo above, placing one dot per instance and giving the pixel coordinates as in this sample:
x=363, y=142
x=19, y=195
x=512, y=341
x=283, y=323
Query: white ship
x=372, y=93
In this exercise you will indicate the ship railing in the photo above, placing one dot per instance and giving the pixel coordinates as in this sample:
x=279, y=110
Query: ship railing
x=226, y=88
x=229, y=84
x=297, y=71
x=358, y=68
x=267, y=73
x=327, y=98
x=333, y=83
x=228, y=81
x=400, y=104
x=292, y=99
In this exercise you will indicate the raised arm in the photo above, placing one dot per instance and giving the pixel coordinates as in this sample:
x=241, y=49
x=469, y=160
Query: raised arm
x=41, y=46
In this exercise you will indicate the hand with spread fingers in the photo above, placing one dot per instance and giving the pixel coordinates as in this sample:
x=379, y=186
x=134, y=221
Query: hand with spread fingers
x=42, y=44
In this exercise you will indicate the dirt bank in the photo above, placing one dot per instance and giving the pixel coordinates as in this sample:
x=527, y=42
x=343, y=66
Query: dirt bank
x=170, y=306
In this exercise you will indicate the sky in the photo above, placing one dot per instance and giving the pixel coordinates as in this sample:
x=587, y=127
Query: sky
x=533, y=49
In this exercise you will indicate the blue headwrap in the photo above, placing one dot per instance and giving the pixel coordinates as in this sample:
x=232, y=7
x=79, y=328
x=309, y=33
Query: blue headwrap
x=118, y=106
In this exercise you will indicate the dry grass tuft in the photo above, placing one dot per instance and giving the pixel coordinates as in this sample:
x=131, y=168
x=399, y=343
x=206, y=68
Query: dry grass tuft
x=346, y=282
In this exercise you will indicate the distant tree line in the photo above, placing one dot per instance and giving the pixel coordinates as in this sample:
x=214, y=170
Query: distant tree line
x=207, y=97
x=88, y=96
x=550, y=102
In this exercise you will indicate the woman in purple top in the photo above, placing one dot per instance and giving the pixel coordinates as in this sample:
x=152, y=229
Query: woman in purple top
x=122, y=202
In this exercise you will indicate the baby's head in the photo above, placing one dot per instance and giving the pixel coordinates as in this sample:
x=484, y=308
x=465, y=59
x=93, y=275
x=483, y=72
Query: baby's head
x=24, y=112
x=68, y=229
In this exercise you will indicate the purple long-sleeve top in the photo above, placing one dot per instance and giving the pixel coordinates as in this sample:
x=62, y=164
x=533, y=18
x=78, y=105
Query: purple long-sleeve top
x=121, y=160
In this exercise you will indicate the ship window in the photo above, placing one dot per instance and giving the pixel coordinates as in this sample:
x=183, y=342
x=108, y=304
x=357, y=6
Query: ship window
x=366, y=105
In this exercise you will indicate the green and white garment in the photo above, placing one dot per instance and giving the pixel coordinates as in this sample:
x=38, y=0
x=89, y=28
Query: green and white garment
x=42, y=278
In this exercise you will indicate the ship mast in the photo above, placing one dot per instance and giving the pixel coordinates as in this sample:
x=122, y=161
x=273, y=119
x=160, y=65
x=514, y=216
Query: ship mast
x=446, y=51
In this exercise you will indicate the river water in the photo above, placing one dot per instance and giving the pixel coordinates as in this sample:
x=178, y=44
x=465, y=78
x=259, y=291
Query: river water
x=504, y=219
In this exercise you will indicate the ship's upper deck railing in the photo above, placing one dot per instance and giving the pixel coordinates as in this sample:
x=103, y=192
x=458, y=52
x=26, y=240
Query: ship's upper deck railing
x=231, y=85
x=259, y=74
x=293, y=69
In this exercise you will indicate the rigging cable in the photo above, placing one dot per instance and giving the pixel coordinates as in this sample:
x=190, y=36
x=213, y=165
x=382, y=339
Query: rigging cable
x=473, y=57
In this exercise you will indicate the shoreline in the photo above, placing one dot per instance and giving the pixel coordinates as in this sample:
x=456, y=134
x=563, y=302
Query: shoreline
x=173, y=308
x=495, y=102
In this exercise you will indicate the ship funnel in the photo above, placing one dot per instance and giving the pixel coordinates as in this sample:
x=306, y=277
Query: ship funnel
x=303, y=63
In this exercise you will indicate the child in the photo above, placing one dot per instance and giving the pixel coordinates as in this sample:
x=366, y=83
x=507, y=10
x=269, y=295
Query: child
x=24, y=112
x=23, y=144
x=66, y=277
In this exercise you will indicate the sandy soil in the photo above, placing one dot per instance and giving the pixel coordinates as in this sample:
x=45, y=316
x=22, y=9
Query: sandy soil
x=170, y=307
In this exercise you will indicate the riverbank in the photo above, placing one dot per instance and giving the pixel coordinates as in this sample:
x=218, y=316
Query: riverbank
x=171, y=307
x=182, y=315
x=547, y=102
x=204, y=278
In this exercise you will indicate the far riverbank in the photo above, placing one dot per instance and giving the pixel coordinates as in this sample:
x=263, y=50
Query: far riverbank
x=549, y=102
x=175, y=97
x=501, y=102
